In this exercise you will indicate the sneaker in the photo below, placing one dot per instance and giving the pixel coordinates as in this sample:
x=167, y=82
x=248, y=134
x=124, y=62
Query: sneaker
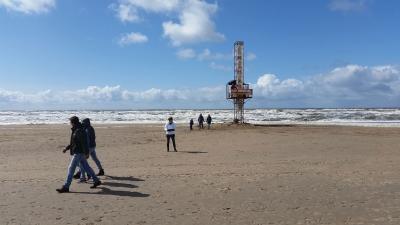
x=77, y=175
x=101, y=172
x=96, y=184
x=62, y=190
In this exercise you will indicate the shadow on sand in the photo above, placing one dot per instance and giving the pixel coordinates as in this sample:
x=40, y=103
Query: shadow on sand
x=107, y=191
x=104, y=190
x=193, y=152
x=130, y=178
x=121, y=185
x=275, y=125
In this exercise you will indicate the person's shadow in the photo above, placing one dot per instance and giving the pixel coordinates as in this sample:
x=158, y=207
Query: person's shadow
x=109, y=182
x=193, y=152
x=117, y=184
x=108, y=191
x=130, y=178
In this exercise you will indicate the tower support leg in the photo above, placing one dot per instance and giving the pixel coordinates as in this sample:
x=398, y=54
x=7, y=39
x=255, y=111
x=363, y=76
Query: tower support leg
x=238, y=111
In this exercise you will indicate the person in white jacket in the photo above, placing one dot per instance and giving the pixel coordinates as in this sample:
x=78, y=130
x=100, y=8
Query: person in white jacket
x=169, y=128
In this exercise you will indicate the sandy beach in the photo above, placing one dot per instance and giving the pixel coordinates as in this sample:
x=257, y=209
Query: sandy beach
x=227, y=175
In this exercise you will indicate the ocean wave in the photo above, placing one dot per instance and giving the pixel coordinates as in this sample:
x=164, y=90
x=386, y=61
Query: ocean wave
x=358, y=117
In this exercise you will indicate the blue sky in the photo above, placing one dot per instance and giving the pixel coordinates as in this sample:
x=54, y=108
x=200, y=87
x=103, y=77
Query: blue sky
x=178, y=53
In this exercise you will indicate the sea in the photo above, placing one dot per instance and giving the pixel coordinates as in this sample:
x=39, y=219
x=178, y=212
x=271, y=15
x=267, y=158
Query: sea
x=377, y=117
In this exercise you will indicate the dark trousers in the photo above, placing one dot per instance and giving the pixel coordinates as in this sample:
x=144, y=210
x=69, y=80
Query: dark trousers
x=171, y=136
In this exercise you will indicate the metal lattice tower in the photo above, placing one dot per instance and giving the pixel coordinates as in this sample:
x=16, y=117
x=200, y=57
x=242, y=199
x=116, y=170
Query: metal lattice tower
x=236, y=89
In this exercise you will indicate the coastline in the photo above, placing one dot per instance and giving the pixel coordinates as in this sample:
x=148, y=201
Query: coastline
x=217, y=125
x=358, y=117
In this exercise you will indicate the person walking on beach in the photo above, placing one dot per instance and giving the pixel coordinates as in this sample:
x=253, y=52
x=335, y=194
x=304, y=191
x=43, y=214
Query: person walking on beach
x=209, y=119
x=201, y=121
x=92, y=144
x=91, y=141
x=169, y=128
x=191, y=124
x=79, y=151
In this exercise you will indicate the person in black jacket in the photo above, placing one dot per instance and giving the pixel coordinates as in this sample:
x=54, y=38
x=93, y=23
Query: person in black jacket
x=79, y=151
x=91, y=140
x=92, y=144
x=201, y=121
x=191, y=124
x=209, y=119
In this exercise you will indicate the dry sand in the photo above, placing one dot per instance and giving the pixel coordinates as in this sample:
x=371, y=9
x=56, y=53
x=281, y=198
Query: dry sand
x=227, y=175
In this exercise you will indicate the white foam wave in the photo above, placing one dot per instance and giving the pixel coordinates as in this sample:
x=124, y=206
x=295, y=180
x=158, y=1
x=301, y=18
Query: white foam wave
x=357, y=117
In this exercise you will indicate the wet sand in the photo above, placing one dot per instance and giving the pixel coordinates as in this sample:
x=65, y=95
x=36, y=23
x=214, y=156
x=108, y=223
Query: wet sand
x=227, y=175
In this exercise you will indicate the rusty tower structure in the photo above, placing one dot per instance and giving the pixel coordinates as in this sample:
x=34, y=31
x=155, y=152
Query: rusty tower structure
x=237, y=90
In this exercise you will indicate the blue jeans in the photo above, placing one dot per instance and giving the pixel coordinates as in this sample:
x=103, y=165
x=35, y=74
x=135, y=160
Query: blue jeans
x=75, y=161
x=93, y=155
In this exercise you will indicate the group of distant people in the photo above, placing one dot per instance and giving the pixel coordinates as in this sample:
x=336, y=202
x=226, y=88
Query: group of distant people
x=200, y=121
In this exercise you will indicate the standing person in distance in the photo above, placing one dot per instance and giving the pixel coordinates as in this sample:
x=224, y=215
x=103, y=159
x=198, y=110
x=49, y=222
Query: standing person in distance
x=191, y=124
x=169, y=128
x=79, y=151
x=209, y=119
x=92, y=144
x=201, y=121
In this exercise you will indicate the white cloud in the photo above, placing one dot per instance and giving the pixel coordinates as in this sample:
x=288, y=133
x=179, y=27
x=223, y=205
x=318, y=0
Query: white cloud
x=132, y=38
x=186, y=53
x=205, y=55
x=10, y=96
x=348, y=5
x=348, y=86
x=19, y=97
x=28, y=6
x=352, y=84
x=217, y=66
x=208, y=55
x=268, y=85
x=154, y=5
x=93, y=95
x=126, y=12
x=169, y=95
x=155, y=94
x=194, y=23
